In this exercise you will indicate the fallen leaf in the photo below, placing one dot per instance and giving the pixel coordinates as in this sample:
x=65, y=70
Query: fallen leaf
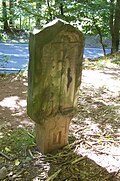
x=17, y=162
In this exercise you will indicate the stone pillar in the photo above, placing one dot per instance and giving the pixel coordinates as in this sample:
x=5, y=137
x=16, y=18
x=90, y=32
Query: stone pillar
x=54, y=77
x=53, y=133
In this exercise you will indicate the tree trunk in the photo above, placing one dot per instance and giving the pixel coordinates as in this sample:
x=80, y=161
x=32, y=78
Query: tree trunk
x=11, y=5
x=111, y=21
x=20, y=22
x=5, y=21
x=101, y=39
x=38, y=7
x=49, y=9
x=115, y=25
x=100, y=35
x=61, y=9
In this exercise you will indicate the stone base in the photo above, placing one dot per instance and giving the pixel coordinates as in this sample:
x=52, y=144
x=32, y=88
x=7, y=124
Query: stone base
x=53, y=134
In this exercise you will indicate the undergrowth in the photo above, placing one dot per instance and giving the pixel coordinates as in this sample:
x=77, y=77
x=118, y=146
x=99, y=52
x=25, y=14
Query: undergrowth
x=102, y=62
x=16, y=141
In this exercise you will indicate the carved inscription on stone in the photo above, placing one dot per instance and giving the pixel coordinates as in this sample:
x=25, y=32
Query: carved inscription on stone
x=54, y=77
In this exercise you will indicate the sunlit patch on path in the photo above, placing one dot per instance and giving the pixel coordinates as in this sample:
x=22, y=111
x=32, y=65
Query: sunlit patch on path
x=95, y=129
x=13, y=102
x=97, y=124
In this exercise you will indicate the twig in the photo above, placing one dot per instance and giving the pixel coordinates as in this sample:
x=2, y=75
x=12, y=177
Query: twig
x=40, y=154
x=80, y=129
x=17, y=174
x=79, y=159
x=32, y=136
x=107, y=153
x=31, y=153
x=88, y=143
x=52, y=177
x=99, y=151
x=2, y=154
x=91, y=134
x=53, y=158
x=102, y=140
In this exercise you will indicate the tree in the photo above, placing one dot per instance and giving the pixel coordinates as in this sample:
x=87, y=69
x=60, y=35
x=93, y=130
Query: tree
x=96, y=17
x=100, y=34
x=92, y=17
x=11, y=12
x=38, y=8
x=61, y=9
x=5, y=16
x=49, y=10
x=115, y=24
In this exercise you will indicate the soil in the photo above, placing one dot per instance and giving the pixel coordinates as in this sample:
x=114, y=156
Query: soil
x=93, y=153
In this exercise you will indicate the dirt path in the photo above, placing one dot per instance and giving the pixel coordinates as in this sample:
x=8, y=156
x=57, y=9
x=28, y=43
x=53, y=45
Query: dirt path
x=98, y=121
x=96, y=127
x=13, y=95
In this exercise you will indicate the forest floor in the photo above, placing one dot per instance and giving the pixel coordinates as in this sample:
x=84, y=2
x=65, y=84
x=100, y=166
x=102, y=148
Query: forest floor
x=93, y=153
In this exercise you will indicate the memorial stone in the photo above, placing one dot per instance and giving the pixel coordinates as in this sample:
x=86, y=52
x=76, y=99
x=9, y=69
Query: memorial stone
x=54, y=77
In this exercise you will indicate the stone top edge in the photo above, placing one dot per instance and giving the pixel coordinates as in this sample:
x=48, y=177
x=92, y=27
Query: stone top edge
x=50, y=24
x=54, y=22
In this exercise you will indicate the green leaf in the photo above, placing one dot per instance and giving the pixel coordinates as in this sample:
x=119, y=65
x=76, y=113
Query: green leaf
x=7, y=149
x=17, y=162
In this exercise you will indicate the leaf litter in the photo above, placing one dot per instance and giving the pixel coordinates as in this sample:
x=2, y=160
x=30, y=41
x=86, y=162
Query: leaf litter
x=93, y=152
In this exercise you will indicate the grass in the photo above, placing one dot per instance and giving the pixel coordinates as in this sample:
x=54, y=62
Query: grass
x=16, y=150
x=16, y=142
x=115, y=58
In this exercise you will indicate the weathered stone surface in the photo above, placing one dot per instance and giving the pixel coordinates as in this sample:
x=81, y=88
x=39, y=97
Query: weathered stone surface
x=54, y=78
x=53, y=134
x=55, y=68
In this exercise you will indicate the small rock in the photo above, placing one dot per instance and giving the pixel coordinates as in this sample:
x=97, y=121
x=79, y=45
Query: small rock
x=3, y=173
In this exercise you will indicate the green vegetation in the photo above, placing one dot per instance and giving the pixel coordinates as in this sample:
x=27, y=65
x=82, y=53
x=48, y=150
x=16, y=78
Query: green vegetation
x=16, y=142
x=16, y=155
x=115, y=58
x=4, y=60
x=102, y=62
x=94, y=17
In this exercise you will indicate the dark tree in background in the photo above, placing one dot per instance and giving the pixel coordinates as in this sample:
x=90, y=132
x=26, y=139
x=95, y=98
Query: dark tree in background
x=11, y=13
x=5, y=16
x=61, y=9
x=38, y=8
x=115, y=24
x=49, y=10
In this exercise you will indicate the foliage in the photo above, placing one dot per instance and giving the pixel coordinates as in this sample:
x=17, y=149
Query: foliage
x=115, y=58
x=79, y=12
x=4, y=61
x=90, y=16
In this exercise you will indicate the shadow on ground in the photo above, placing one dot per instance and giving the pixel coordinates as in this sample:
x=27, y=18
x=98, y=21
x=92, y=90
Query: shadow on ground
x=93, y=152
x=13, y=95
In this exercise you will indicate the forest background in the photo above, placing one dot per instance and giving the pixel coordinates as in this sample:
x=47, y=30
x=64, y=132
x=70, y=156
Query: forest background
x=92, y=17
